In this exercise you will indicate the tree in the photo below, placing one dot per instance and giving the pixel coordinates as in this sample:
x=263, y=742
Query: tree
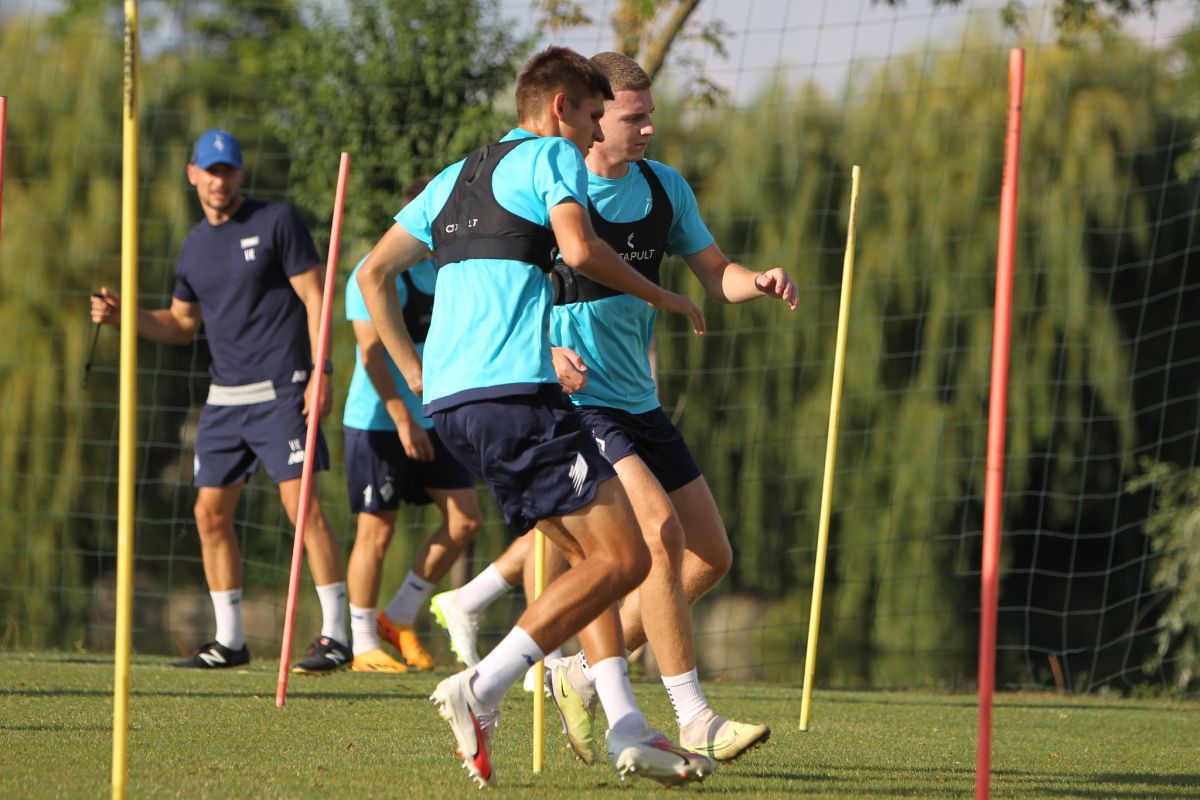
x=1070, y=15
x=405, y=86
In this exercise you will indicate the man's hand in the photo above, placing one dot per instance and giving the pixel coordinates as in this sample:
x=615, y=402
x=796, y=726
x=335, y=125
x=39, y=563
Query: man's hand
x=570, y=369
x=777, y=283
x=106, y=308
x=679, y=304
x=414, y=438
x=326, y=404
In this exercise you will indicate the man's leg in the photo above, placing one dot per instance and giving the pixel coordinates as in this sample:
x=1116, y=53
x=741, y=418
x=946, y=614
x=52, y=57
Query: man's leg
x=458, y=610
x=373, y=533
x=329, y=651
x=461, y=518
x=222, y=557
x=706, y=556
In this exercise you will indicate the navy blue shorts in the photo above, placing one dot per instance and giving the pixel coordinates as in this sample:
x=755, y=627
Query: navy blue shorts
x=650, y=436
x=380, y=475
x=531, y=450
x=232, y=440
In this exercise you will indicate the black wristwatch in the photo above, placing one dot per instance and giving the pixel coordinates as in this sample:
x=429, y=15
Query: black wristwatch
x=328, y=366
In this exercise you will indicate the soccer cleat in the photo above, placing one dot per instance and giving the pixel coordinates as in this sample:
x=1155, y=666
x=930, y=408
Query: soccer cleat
x=461, y=627
x=472, y=726
x=404, y=639
x=377, y=661
x=719, y=738
x=652, y=755
x=214, y=655
x=324, y=656
x=575, y=698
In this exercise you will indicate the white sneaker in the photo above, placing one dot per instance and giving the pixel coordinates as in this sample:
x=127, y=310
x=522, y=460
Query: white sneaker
x=461, y=627
x=652, y=755
x=530, y=683
x=472, y=725
x=720, y=738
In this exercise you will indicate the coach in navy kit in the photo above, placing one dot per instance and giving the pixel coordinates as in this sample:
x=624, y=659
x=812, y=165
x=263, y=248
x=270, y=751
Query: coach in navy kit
x=250, y=272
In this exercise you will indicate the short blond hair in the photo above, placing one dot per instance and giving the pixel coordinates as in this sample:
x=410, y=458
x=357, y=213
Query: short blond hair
x=623, y=73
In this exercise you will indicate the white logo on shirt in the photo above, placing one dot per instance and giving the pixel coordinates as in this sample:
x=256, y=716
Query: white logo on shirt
x=297, y=454
x=249, y=241
x=600, y=444
x=248, y=253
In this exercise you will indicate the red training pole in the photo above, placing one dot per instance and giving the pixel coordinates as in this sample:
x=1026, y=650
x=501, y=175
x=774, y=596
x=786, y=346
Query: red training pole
x=3, y=139
x=310, y=441
x=997, y=411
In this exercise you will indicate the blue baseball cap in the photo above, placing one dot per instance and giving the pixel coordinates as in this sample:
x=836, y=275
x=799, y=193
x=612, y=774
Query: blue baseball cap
x=217, y=147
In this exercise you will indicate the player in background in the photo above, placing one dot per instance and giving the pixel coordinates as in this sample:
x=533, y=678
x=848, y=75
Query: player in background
x=493, y=221
x=249, y=272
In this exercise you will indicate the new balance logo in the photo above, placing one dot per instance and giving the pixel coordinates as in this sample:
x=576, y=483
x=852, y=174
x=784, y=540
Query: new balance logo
x=579, y=472
x=248, y=253
x=212, y=658
x=297, y=454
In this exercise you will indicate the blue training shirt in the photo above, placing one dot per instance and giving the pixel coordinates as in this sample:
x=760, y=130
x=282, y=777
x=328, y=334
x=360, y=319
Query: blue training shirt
x=488, y=337
x=239, y=271
x=364, y=410
x=613, y=335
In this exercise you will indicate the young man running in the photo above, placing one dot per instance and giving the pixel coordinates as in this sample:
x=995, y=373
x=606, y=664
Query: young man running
x=646, y=210
x=493, y=221
x=394, y=456
x=250, y=272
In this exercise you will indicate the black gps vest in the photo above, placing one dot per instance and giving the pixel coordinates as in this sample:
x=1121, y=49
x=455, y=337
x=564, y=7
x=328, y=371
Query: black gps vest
x=641, y=243
x=473, y=224
x=418, y=310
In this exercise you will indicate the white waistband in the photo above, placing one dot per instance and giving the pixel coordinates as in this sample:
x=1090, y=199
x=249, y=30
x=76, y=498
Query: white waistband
x=246, y=395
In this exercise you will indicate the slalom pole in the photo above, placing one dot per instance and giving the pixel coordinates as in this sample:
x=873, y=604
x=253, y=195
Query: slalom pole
x=127, y=426
x=3, y=139
x=993, y=508
x=835, y=415
x=314, y=421
x=539, y=669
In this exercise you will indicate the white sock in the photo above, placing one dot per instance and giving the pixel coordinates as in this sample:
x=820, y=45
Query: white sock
x=687, y=698
x=333, y=611
x=362, y=628
x=481, y=591
x=408, y=599
x=616, y=695
x=504, y=666
x=227, y=608
x=587, y=668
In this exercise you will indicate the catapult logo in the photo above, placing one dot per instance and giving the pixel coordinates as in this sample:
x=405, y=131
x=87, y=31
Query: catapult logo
x=633, y=255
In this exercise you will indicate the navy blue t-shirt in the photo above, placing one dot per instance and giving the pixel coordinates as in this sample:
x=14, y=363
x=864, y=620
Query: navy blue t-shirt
x=238, y=272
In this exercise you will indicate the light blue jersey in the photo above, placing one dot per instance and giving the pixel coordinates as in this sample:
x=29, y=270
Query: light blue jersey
x=488, y=337
x=364, y=410
x=613, y=335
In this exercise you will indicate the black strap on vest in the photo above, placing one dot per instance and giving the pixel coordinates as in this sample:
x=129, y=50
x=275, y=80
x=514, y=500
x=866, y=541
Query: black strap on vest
x=642, y=243
x=473, y=224
x=418, y=310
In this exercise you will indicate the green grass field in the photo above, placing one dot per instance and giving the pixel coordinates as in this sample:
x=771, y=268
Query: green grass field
x=352, y=736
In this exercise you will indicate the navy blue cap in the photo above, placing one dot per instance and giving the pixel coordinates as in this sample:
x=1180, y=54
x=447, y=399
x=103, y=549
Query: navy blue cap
x=217, y=147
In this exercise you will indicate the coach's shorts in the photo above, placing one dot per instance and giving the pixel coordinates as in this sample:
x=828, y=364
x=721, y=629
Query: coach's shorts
x=380, y=475
x=232, y=440
x=531, y=450
x=650, y=436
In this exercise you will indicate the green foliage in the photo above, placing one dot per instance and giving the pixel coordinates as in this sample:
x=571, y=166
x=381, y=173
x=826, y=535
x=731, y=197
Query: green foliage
x=405, y=86
x=1174, y=531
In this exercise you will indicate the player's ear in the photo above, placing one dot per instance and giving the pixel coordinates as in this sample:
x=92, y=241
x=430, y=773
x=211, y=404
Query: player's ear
x=558, y=105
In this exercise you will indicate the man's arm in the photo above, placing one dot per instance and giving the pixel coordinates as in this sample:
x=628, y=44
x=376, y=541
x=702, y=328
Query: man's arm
x=582, y=249
x=413, y=437
x=394, y=253
x=174, y=325
x=729, y=282
x=307, y=286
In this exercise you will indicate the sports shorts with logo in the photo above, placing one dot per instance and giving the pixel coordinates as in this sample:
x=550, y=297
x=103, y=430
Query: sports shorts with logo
x=380, y=475
x=531, y=450
x=651, y=436
x=232, y=440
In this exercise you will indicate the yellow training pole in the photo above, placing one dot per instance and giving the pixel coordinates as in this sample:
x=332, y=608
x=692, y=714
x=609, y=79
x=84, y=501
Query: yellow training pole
x=128, y=409
x=835, y=413
x=539, y=669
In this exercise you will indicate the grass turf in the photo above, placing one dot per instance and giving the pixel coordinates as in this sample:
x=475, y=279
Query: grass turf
x=218, y=734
